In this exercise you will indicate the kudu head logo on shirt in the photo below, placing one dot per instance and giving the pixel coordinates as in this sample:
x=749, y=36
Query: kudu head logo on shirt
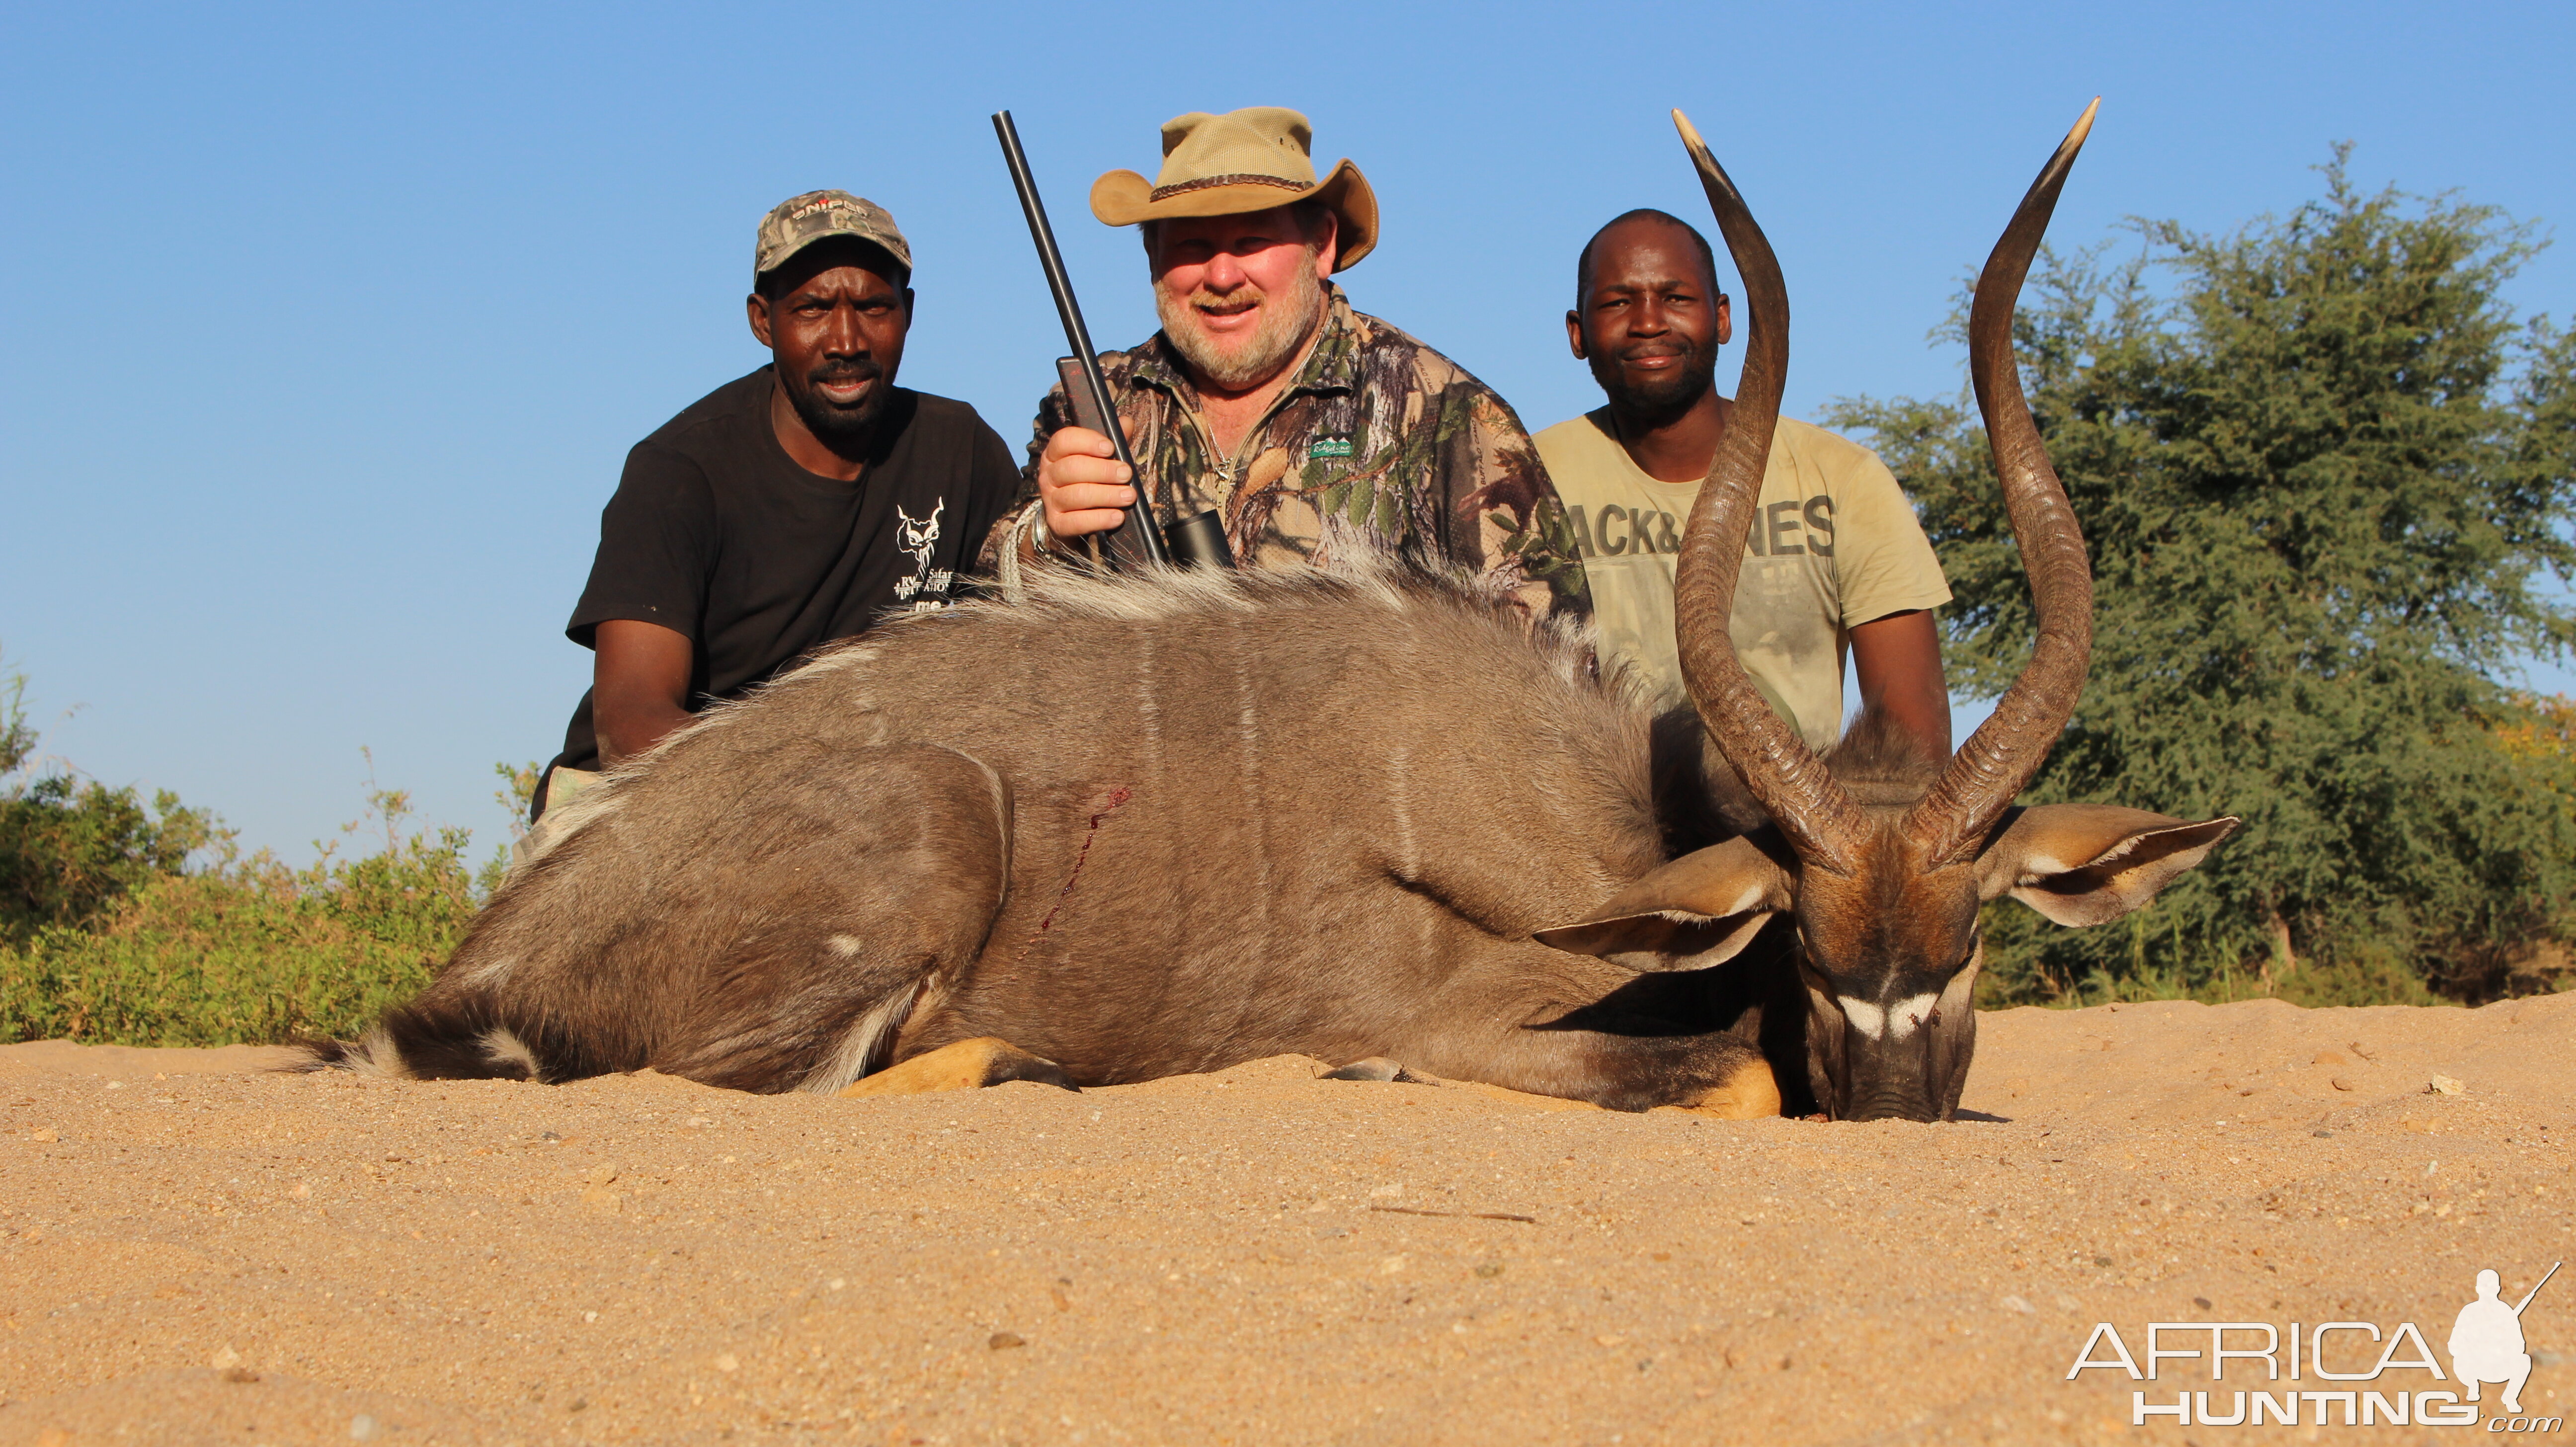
x=920, y=537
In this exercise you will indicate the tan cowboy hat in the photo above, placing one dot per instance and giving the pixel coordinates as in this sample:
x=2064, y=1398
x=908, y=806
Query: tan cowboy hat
x=1246, y=160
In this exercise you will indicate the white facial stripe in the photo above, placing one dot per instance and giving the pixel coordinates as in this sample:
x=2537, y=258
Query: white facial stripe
x=1895, y=1022
x=1905, y=1016
x=1865, y=1017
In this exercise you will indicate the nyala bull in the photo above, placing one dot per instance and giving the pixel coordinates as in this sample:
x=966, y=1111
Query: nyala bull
x=1151, y=824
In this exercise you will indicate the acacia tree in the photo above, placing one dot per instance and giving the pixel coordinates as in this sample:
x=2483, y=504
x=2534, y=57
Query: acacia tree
x=2326, y=478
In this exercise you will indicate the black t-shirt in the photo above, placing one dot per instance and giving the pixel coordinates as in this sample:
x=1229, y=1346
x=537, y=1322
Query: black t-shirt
x=717, y=534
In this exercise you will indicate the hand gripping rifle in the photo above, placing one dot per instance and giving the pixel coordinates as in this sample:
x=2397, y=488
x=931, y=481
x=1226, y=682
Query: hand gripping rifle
x=1199, y=540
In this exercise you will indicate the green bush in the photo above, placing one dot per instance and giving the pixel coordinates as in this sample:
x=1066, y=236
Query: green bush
x=2328, y=481
x=69, y=849
x=108, y=937
x=249, y=951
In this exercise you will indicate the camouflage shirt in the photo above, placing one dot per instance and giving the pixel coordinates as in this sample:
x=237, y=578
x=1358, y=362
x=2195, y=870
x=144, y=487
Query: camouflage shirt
x=1378, y=444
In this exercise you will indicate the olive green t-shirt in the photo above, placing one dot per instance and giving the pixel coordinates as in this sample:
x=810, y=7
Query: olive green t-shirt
x=1833, y=543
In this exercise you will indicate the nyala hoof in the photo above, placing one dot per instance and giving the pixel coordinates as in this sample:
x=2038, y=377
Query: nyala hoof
x=1377, y=1068
x=1751, y=1093
x=966, y=1065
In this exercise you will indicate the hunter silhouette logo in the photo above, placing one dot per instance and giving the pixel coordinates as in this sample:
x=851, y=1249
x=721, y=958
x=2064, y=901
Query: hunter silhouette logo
x=2486, y=1347
x=2486, y=1341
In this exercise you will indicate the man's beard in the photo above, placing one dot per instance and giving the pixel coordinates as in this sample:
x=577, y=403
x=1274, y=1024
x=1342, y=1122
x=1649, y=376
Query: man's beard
x=1286, y=322
x=1665, y=398
x=845, y=430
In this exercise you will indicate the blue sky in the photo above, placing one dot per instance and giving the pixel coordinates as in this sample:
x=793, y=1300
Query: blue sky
x=328, y=328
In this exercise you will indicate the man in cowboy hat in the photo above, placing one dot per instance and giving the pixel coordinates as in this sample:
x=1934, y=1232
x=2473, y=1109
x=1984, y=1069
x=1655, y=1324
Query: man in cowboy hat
x=785, y=509
x=1317, y=432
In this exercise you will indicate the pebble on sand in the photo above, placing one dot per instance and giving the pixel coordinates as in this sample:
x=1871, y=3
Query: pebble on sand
x=1005, y=1340
x=2444, y=1085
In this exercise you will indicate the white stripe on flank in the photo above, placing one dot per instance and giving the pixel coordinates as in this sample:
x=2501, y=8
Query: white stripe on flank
x=1150, y=705
x=1248, y=733
x=1399, y=783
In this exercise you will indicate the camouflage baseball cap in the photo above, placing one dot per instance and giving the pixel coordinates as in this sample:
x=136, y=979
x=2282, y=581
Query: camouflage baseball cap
x=800, y=221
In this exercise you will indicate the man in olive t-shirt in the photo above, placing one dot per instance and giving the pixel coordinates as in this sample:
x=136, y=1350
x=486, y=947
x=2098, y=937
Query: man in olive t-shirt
x=1836, y=559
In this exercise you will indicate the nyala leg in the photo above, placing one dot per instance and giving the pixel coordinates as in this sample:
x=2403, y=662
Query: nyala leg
x=966, y=1065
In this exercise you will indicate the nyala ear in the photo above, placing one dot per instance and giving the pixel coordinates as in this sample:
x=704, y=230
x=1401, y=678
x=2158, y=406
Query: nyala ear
x=1700, y=910
x=2087, y=864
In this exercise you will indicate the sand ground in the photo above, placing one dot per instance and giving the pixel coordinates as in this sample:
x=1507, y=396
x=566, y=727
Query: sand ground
x=194, y=1251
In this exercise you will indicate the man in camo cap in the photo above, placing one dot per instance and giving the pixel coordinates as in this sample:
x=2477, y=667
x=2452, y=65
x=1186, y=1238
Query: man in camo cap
x=788, y=508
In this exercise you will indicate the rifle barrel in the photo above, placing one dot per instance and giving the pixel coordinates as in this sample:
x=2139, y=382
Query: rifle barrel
x=2535, y=1290
x=1148, y=538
